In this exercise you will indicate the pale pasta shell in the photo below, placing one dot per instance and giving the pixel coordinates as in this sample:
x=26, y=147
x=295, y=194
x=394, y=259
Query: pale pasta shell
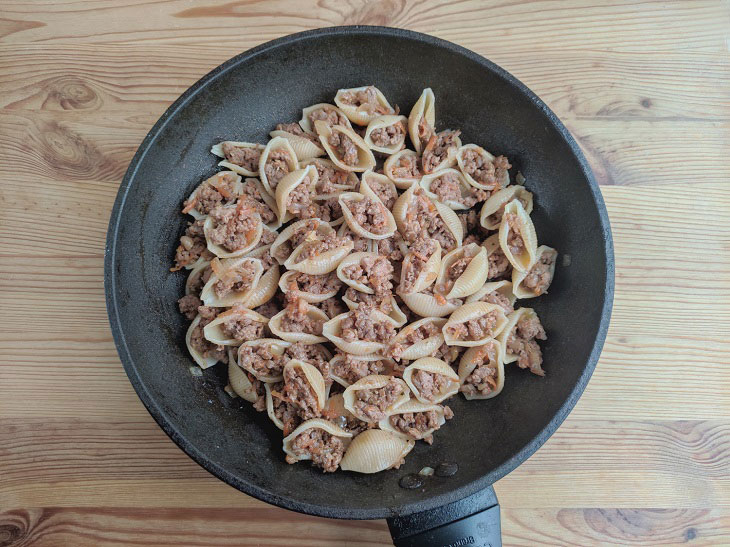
x=359, y=242
x=365, y=158
x=222, y=252
x=208, y=294
x=402, y=182
x=448, y=161
x=465, y=188
x=218, y=151
x=275, y=346
x=467, y=312
x=270, y=406
x=312, y=312
x=213, y=331
x=488, y=157
x=373, y=180
x=358, y=114
x=413, y=406
x=277, y=143
x=374, y=381
x=524, y=259
x=237, y=379
x=332, y=330
x=351, y=181
x=270, y=202
x=503, y=287
x=472, y=278
x=512, y=320
x=286, y=280
x=396, y=314
x=283, y=245
x=354, y=259
x=421, y=348
x=339, y=357
x=338, y=414
x=265, y=289
x=382, y=122
x=425, y=107
x=433, y=366
x=375, y=450
x=314, y=378
x=346, y=197
x=289, y=183
x=304, y=148
x=306, y=123
x=237, y=190
x=473, y=357
x=203, y=362
x=198, y=269
x=427, y=305
x=491, y=213
x=518, y=277
x=426, y=276
x=322, y=263
x=315, y=423
x=449, y=217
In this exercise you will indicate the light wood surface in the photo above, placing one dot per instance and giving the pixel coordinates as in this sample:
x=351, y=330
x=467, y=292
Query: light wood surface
x=645, y=88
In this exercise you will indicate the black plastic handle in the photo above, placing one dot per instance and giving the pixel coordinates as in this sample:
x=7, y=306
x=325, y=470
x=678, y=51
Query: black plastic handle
x=473, y=521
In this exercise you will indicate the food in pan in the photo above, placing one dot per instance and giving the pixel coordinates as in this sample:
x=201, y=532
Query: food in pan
x=357, y=271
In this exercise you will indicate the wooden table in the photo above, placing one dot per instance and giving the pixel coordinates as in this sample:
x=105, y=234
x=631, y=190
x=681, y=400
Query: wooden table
x=644, y=87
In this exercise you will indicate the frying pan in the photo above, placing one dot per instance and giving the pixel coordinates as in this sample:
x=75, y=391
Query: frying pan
x=242, y=100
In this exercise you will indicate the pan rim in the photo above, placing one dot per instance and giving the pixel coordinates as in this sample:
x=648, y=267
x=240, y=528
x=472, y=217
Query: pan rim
x=252, y=489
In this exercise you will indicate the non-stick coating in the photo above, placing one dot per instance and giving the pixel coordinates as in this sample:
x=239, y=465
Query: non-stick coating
x=243, y=100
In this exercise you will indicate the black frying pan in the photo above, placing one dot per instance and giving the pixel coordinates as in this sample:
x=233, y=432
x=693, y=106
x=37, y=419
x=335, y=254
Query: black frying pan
x=242, y=100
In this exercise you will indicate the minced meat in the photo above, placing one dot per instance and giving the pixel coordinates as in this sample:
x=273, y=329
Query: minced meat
x=420, y=252
x=315, y=284
x=424, y=331
x=469, y=220
x=261, y=360
x=296, y=319
x=407, y=168
x=389, y=136
x=448, y=188
x=515, y=243
x=213, y=192
x=540, y=276
x=365, y=100
x=475, y=329
x=330, y=116
x=233, y=227
x=499, y=265
x=316, y=247
x=430, y=384
x=370, y=214
x=299, y=201
x=359, y=325
x=242, y=328
x=310, y=353
x=277, y=167
x=375, y=272
x=256, y=201
x=417, y=424
x=324, y=449
x=383, y=302
x=344, y=147
x=188, y=305
x=328, y=209
x=332, y=307
x=299, y=392
x=496, y=297
x=483, y=379
x=440, y=146
x=484, y=172
x=448, y=354
x=192, y=246
x=269, y=309
x=198, y=340
x=359, y=243
x=373, y=403
x=331, y=179
x=246, y=157
x=521, y=342
x=286, y=412
x=258, y=386
x=386, y=192
x=389, y=248
x=352, y=368
x=234, y=280
x=296, y=129
x=423, y=220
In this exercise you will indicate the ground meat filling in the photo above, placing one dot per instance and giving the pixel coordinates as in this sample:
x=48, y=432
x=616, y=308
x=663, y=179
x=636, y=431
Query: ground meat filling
x=344, y=147
x=438, y=149
x=296, y=319
x=455, y=270
x=277, y=167
x=383, y=303
x=332, y=307
x=424, y=331
x=258, y=386
x=299, y=392
x=246, y=157
x=521, y=342
x=242, y=329
x=234, y=280
x=499, y=266
x=329, y=209
x=419, y=425
x=328, y=115
x=540, y=276
x=430, y=384
x=389, y=248
x=375, y=272
x=448, y=188
x=188, y=305
x=420, y=252
x=360, y=243
x=212, y=193
x=315, y=284
x=423, y=220
x=260, y=360
x=198, y=340
x=407, y=168
x=256, y=202
x=324, y=449
x=331, y=180
x=485, y=172
x=389, y=136
x=386, y=193
x=370, y=214
x=365, y=100
x=496, y=217
x=310, y=353
x=483, y=379
x=449, y=354
x=283, y=251
x=192, y=246
x=359, y=325
x=373, y=403
x=299, y=201
x=316, y=247
x=296, y=129
x=515, y=243
x=287, y=413
x=496, y=297
x=352, y=368
x=475, y=329
x=233, y=227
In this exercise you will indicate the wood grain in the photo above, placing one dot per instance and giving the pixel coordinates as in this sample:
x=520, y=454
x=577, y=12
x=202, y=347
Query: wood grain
x=644, y=86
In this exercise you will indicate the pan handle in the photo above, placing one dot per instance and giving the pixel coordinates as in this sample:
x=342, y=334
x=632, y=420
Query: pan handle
x=473, y=521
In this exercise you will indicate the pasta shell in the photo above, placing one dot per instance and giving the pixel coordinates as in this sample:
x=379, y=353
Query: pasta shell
x=473, y=311
x=422, y=119
x=214, y=332
x=353, y=260
x=288, y=285
x=396, y=314
x=428, y=339
x=291, y=236
x=331, y=180
x=281, y=145
x=252, y=239
x=238, y=380
x=381, y=123
x=426, y=304
x=231, y=267
x=486, y=157
x=362, y=113
x=249, y=167
x=268, y=200
x=365, y=159
x=265, y=289
x=315, y=423
x=503, y=288
x=273, y=346
x=545, y=258
x=406, y=211
x=332, y=330
x=313, y=377
x=303, y=147
x=340, y=416
x=372, y=382
x=492, y=210
x=489, y=355
x=417, y=275
x=316, y=111
x=339, y=358
x=291, y=182
x=203, y=362
x=470, y=279
x=438, y=140
x=381, y=186
x=361, y=244
x=414, y=407
x=306, y=259
x=312, y=312
x=375, y=450
x=528, y=253
x=433, y=366
x=512, y=320
x=232, y=181
x=194, y=276
x=348, y=201
x=403, y=168
x=469, y=195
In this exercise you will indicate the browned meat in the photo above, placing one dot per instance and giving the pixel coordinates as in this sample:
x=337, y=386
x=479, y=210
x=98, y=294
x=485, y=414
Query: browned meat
x=407, y=168
x=424, y=331
x=324, y=449
x=261, y=360
x=540, y=276
x=447, y=188
x=233, y=227
x=389, y=247
x=352, y=368
x=365, y=100
x=331, y=179
x=498, y=298
x=188, y=305
x=299, y=201
x=430, y=384
x=329, y=116
x=317, y=247
x=370, y=214
x=329, y=209
x=192, y=246
x=277, y=167
x=521, y=342
x=233, y=280
x=248, y=158
x=514, y=239
x=373, y=403
x=449, y=354
x=256, y=202
x=496, y=217
x=198, y=340
x=260, y=403
x=300, y=393
x=344, y=147
x=212, y=193
x=285, y=249
x=196, y=285
x=315, y=284
x=296, y=129
x=386, y=193
x=485, y=172
x=475, y=329
x=417, y=424
x=388, y=136
x=313, y=354
x=379, y=302
x=421, y=251
x=360, y=325
x=242, y=329
x=285, y=411
x=439, y=147
x=483, y=379
x=375, y=272
x=499, y=266
x=423, y=220
x=295, y=319
x=332, y=307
